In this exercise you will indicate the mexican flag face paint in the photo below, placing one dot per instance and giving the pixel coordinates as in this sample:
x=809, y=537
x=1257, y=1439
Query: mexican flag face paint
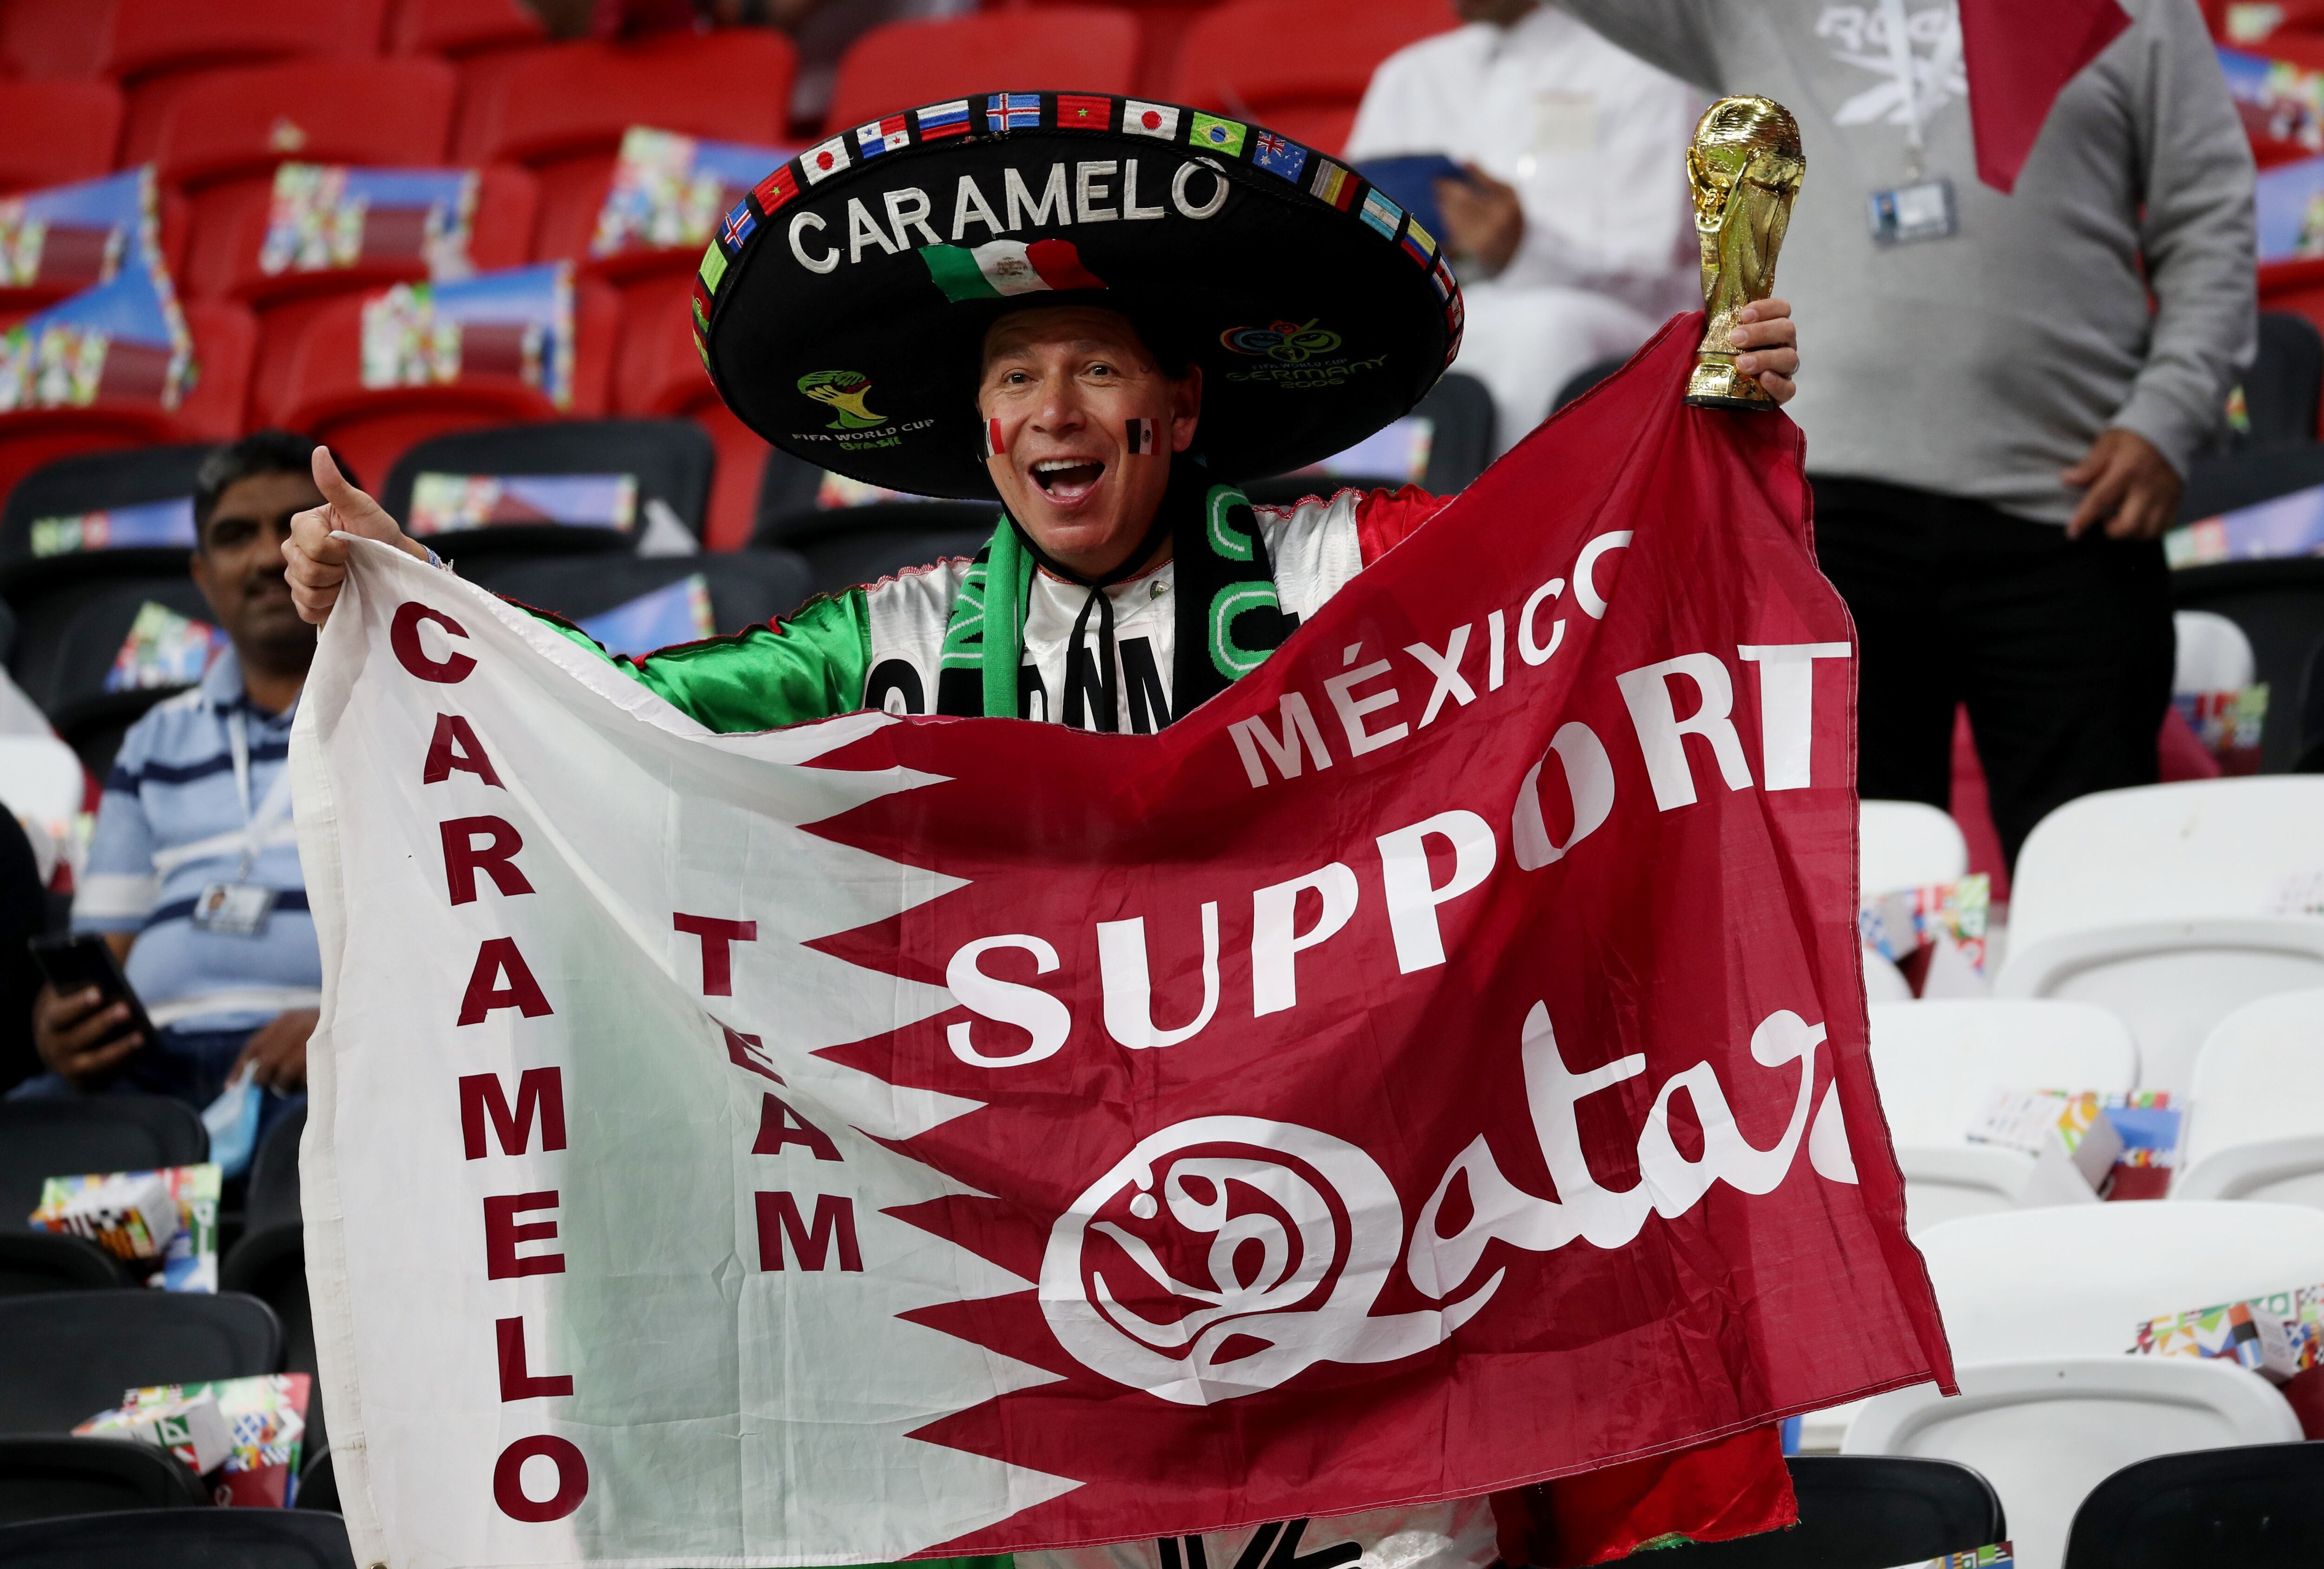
x=1001, y=268
x=1139, y=437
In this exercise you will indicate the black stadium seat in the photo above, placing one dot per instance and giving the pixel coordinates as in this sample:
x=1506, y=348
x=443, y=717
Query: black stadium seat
x=671, y=460
x=62, y=665
x=2311, y=713
x=66, y=1356
x=2282, y=387
x=1862, y=1511
x=1584, y=379
x=847, y=545
x=746, y=587
x=43, y=1477
x=2280, y=606
x=91, y=482
x=1460, y=444
x=2260, y=1506
x=271, y=1199
x=318, y=1484
x=32, y=1262
x=193, y=1539
x=44, y=1139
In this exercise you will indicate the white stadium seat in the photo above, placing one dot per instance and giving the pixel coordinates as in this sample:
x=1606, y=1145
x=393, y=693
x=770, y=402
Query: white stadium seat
x=2214, y=654
x=2256, y=1116
x=1903, y=844
x=2172, y=905
x=1936, y=1064
x=2040, y=1305
x=2045, y=1430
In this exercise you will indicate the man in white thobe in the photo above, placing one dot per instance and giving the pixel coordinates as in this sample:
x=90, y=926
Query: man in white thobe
x=1573, y=235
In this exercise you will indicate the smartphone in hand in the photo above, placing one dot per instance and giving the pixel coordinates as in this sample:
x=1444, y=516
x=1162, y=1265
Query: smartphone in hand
x=81, y=960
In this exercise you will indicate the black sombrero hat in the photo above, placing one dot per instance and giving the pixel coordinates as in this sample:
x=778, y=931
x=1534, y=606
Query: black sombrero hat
x=841, y=306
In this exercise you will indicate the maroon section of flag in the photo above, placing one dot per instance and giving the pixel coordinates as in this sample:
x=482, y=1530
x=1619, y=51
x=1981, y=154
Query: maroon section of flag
x=2018, y=59
x=1438, y=1063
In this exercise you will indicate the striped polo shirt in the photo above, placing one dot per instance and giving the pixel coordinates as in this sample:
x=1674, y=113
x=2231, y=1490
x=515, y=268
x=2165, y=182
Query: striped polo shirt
x=172, y=823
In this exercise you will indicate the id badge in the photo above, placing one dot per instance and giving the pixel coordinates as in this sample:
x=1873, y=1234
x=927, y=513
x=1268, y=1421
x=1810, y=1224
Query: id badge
x=234, y=910
x=1912, y=213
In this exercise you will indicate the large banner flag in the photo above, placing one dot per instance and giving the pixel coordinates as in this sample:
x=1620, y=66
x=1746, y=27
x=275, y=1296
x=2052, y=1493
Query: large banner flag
x=1436, y=1065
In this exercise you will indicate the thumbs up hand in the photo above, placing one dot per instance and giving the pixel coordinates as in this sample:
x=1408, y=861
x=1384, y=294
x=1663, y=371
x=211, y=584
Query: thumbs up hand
x=315, y=562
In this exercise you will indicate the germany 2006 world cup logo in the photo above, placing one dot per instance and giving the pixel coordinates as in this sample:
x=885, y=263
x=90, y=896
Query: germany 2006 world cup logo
x=1288, y=342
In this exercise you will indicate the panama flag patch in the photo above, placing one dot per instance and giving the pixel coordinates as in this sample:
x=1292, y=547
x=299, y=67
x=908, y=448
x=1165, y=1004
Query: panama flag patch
x=1005, y=267
x=1144, y=119
x=877, y=136
x=1140, y=437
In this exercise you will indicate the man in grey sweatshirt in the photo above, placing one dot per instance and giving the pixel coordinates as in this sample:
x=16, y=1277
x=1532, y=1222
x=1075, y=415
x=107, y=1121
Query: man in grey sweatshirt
x=1998, y=421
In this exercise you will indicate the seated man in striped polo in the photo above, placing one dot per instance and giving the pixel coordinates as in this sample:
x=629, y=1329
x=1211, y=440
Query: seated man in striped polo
x=193, y=876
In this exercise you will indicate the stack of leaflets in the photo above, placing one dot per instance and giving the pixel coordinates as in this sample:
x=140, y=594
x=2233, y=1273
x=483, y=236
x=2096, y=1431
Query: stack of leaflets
x=678, y=613
x=2268, y=531
x=516, y=322
x=163, y=649
x=2275, y=1336
x=445, y=503
x=163, y=1222
x=1947, y=920
x=325, y=217
x=2046, y=1123
x=69, y=238
x=2227, y=723
x=669, y=191
x=2281, y=105
x=266, y=1420
x=122, y=339
x=141, y=525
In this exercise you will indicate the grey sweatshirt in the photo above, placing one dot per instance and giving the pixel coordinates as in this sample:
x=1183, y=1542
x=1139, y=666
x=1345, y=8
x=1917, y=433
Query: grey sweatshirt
x=1982, y=364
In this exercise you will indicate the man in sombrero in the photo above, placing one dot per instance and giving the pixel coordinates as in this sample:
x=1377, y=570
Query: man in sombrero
x=1100, y=313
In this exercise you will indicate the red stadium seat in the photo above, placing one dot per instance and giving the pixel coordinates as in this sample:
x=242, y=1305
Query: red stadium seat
x=1089, y=48
x=1161, y=27
x=131, y=39
x=323, y=393
x=656, y=371
x=55, y=133
x=225, y=338
x=560, y=110
x=452, y=28
x=228, y=124
x=1299, y=67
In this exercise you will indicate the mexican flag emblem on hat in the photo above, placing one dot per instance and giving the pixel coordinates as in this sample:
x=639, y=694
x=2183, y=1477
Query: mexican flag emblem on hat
x=841, y=310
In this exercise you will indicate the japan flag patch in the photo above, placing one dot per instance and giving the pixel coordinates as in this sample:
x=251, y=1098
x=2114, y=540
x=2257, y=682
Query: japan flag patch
x=1140, y=437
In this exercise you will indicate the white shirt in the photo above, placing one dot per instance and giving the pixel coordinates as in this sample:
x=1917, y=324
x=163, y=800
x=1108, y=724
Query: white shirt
x=1593, y=139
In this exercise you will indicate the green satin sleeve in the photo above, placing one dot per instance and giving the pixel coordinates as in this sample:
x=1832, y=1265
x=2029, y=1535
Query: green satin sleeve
x=810, y=667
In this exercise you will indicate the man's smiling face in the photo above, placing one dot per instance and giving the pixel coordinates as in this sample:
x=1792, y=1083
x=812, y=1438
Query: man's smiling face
x=1061, y=389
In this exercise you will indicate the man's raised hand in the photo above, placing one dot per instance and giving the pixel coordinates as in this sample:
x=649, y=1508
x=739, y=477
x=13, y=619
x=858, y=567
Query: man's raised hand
x=316, y=563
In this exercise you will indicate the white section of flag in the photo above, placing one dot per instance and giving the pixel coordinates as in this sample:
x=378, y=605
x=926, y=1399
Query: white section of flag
x=824, y=158
x=1008, y=269
x=1144, y=119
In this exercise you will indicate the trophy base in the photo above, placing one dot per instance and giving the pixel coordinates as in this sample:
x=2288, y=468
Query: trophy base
x=1715, y=385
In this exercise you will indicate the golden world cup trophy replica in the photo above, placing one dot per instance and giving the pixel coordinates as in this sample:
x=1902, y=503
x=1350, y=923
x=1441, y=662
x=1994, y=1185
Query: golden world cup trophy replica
x=1744, y=167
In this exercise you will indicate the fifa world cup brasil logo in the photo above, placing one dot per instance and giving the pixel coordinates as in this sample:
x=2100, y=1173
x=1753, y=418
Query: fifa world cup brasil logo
x=1745, y=167
x=844, y=392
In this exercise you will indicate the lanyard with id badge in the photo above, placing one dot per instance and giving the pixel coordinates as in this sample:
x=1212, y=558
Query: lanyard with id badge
x=1922, y=208
x=241, y=908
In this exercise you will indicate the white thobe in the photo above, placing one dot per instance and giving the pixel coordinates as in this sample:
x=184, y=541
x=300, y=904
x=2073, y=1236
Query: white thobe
x=1594, y=140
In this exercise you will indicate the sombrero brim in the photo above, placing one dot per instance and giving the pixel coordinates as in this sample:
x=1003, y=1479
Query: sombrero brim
x=841, y=308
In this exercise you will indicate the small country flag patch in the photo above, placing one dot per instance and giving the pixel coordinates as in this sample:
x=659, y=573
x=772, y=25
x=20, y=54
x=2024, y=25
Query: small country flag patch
x=1278, y=155
x=775, y=190
x=714, y=267
x=993, y=446
x=1443, y=282
x=737, y=227
x=1220, y=135
x=1084, y=111
x=1382, y=214
x=1139, y=437
x=1003, y=267
x=943, y=120
x=879, y=137
x=1140, y=118
x=824, y=159
x=1331, y=183
x=1013, y=111
x=1419, y=242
